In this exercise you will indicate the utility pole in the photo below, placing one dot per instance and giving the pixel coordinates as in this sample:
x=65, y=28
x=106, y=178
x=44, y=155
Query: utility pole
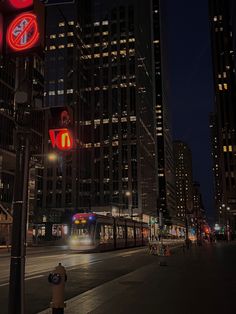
x=20, y=197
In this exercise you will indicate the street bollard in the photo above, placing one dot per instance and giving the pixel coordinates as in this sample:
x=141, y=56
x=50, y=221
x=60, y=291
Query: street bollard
x=58, y=279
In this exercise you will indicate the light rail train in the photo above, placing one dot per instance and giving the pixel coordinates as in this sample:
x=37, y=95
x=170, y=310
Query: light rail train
x=93, y=232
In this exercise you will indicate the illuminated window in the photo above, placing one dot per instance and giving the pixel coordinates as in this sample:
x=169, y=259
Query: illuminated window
x=52, y=47
x=61, y=35
x=61, y=24
x=61, y=46
x=225, y=86
x=220, y=86
x=52, y=36
x=71, y=23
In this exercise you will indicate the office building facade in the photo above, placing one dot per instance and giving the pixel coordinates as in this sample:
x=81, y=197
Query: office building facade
x=164, y=155
x=100, y=63
x=222, y=24
x=184, y=180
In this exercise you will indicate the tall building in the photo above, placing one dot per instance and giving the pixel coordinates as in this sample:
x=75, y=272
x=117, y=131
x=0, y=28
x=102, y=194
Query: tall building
x=198, y=216
x=184, y=179
x=216, y=168
x=223, y=32
x=119, y=114
x=58, y=184
x=99, y=61
x=164, y=156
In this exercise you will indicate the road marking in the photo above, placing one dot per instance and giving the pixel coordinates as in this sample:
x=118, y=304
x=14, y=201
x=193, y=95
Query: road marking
x=95, y=262
x=28, y=278
x=4, y=284
x=34, y=277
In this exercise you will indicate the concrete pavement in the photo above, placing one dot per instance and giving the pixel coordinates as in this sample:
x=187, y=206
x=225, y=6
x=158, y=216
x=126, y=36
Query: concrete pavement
x=201, y=280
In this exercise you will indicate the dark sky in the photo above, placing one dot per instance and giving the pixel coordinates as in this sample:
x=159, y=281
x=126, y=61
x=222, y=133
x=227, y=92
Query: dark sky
x=190, y=84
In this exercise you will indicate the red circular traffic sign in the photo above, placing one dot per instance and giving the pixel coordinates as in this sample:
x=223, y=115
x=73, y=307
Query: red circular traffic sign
x=22, y=32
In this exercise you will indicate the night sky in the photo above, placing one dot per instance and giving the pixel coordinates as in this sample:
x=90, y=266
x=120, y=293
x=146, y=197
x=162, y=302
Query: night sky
x=190, y=84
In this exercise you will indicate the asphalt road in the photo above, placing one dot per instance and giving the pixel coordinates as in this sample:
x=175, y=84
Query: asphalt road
x=85, y=271
x=202, y=280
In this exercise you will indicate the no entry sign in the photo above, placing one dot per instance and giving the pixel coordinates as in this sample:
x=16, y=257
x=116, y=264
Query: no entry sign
x=22, y=33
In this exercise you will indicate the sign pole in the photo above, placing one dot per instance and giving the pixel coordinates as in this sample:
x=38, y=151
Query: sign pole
x=17, y=266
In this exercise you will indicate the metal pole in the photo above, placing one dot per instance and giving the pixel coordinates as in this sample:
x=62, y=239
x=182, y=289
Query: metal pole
x=17, y=266
x=24, y=220
x=15, y=284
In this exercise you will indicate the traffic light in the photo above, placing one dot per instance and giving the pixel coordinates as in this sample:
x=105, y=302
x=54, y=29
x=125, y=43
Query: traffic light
x=60, y=128
x=23, y=24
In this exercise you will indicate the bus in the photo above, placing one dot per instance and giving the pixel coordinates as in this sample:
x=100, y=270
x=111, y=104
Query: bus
x=94, y=232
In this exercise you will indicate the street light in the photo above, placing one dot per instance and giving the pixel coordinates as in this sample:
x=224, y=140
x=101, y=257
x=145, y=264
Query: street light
x=52, y=157
x=228, y=223
x=130, y=209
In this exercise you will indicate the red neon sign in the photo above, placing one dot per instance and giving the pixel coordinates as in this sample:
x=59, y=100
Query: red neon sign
x=61, y=139
x=20, y=4
x=22, y=32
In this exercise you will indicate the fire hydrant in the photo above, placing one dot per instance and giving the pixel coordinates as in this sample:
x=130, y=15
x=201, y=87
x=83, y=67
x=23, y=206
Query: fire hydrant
x=58, y=279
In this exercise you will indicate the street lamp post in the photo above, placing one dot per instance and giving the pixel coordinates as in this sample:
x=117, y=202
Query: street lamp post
x=228, y=223
x=130, y=209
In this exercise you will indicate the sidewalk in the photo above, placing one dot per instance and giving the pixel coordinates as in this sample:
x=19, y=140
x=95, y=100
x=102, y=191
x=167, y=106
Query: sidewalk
x=102, y=299
x=122, y=295
x=193, y=282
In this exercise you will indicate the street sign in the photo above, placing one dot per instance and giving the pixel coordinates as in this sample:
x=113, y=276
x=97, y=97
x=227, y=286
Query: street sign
x=22, y=33
x=22, y=26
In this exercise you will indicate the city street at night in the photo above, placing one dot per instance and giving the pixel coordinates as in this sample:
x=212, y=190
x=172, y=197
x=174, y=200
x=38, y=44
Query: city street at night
x=117, y=157
x=201, y=280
